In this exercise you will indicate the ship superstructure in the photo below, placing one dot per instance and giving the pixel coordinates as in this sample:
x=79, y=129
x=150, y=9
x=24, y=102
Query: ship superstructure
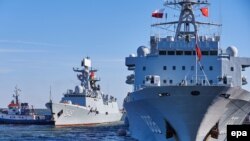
x=86, y=104
x=186, y=87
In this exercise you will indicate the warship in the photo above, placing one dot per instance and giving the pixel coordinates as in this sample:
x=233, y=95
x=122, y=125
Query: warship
x=22, y=113
x=86, y=105
x=186, y=87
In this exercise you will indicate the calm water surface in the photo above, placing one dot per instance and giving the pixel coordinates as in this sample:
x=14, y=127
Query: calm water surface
x=52, y=133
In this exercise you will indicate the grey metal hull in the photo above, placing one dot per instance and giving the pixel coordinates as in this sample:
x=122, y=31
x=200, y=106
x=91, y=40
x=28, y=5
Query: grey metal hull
x=191, y=116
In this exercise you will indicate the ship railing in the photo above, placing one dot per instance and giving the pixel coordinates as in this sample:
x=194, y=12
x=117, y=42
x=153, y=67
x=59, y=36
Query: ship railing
x=200, y=81
x=138, y=87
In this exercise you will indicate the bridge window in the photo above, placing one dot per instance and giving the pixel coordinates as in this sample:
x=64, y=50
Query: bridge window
x=171, y=52
x=179, y=52
x=188, y=52
x=204, y=52
x=143, y=68
x=161, y=52
x=213, y=53
x=164, y=67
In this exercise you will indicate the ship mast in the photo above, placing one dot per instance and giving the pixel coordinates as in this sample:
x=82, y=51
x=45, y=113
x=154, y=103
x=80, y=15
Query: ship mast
x=87, y=75
x=186, y=26
x=83, y=76
x=16, y=94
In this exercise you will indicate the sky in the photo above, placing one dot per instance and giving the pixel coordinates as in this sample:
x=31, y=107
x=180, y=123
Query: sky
x=42, y=40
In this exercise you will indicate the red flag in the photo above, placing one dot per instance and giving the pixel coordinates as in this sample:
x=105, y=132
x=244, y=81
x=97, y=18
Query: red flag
x=158, y=13
x=204, y=11
x=198, y=52
x=92, y=75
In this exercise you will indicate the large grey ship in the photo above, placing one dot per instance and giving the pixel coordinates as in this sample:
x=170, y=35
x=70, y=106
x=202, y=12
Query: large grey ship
x=86, y=105
x=186, y=87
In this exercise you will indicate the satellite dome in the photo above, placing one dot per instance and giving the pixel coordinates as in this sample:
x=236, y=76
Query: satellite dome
x=78, y=89
x=232, y=51
x=142, y=51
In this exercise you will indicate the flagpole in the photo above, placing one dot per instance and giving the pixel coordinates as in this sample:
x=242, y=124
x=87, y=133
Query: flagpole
x=196, y=59
x=196, y=71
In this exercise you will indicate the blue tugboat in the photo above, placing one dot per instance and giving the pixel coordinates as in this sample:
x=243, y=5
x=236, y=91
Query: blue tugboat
x=21, y=113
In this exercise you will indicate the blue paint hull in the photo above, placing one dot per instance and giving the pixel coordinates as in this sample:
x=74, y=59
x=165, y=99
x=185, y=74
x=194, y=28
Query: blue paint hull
x=47, y=121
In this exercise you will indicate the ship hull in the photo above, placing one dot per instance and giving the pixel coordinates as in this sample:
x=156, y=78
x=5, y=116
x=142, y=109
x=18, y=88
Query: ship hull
x=155, y=111
x=71, y=115
x=25, y=120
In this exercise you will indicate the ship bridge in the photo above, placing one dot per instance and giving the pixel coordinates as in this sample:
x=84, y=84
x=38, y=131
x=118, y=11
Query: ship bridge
x=168, y=45
x=173, y=62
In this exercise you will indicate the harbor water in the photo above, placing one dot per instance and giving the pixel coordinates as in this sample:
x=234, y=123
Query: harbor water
x=52, y=133
x=104, y=132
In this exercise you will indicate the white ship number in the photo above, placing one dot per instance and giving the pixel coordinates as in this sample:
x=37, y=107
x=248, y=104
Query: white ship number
x=151, y=124
x=68, y=113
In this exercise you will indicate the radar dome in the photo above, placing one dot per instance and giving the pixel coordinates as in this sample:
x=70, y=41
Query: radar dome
x=142, y=51
x=232, y=51
x=78, y=89
x=132, y=55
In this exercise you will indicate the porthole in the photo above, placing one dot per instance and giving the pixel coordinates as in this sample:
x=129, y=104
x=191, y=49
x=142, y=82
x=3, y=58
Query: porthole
x=195, y=93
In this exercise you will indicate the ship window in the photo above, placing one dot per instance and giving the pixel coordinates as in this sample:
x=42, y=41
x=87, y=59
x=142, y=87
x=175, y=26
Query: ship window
x=164, y=81
x=171, y=53
x=179, y=52
x=183, y=68
x=213, y=53
x=143, y=82
x=161, y=52
x=204, y=81
x=152, y=80
x=201, y=68
x=204, y=52
x=171, y=81
x=143, y=68
x=232, y=68
x=188, y=52
x=211, y=68
x=164, y=67
x=211, y=81
x=191, y=81
x=174, y=67
x=192, y=67
x=194, y=52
